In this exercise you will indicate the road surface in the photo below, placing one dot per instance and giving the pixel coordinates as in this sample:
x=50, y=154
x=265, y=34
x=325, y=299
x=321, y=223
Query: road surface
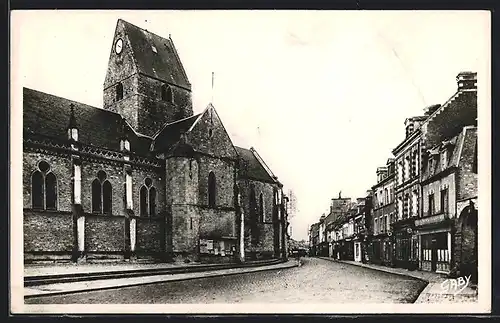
x=316, y=281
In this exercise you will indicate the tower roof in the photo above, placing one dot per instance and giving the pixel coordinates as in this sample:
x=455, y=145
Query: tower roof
x=155, y=56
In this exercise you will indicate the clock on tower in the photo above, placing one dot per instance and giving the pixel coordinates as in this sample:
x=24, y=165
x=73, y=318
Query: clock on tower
x=119, y=46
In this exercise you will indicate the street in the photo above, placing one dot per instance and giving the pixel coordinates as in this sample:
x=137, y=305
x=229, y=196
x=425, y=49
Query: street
x=316, y=281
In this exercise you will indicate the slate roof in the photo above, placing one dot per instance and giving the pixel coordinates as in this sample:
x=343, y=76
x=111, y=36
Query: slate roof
x=171, y=133
x=459, y=143
x=250, y=167
x=48, y=115
x=164, y=64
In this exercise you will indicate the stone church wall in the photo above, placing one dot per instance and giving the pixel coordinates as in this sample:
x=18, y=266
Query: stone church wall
x=224, y=177
x=149, y=236
x=104, y=235
x=47, y=235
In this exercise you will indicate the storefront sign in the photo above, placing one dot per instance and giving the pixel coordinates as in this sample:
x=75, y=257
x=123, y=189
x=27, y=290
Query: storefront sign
x=430, y=220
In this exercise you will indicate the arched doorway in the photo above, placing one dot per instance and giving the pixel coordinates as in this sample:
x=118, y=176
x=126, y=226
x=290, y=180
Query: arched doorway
x=468, y=263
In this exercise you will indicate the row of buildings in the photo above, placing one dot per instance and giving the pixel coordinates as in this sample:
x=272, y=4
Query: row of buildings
x=422, y=211
x=143, y=177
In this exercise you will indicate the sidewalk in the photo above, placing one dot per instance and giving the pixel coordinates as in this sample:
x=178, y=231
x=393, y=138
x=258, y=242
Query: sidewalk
x=432, y=293
x=84, y=285
x=88, y=268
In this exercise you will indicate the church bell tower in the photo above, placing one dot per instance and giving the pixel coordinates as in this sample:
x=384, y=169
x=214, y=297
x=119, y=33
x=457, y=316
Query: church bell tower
x=145, y=81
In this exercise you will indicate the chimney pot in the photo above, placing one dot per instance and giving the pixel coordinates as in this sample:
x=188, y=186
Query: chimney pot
x=467, y=80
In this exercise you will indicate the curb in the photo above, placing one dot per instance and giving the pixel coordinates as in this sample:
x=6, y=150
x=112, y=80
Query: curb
x=215, y=273
x=377, y=269
x=38, y=280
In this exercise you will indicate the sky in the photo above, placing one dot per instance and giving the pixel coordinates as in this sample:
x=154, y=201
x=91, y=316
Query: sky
x=321, y=95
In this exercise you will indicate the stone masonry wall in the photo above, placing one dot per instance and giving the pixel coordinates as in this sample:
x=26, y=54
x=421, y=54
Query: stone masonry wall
x=185, y=228
x=467, y=183
x=266, y=229
x=210, y=137
x=149, y=236
x=104, y=233
x=224, y=177
x=47, y=231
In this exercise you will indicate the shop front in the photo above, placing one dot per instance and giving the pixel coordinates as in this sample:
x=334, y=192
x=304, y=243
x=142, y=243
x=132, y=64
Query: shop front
x=348, y=250
x=386, y=252
x=435, y=243
x=382, y=250
x=406, y=245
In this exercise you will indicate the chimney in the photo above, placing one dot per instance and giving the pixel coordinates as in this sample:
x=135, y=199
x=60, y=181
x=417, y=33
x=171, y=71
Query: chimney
x=467, y=81
x=431, y=109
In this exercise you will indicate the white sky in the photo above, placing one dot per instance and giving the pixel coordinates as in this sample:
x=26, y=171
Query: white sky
x=321, y=95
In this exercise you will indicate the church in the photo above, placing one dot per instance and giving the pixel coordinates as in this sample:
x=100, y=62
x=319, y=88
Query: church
x=143, y=178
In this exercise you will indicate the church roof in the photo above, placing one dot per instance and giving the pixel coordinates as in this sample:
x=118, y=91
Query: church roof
x=48, y=115
x=171, y=133
x=161, y=62
x=251, y=167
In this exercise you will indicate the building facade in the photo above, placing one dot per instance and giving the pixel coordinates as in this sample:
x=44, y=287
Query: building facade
x=143, y=178
x=384, y=215
x=447, y=227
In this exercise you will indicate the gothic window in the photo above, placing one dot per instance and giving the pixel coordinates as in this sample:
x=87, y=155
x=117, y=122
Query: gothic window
x=96, y=196
x=166, y=93
x=144, y=200
x=211, y=189
x=119, y=91
x=37, y=190
x=50, y=189
x=102, y=195
x=147, y=196
x=106, y=197
x=43, y=188
x=152, y=201
x=261, y=207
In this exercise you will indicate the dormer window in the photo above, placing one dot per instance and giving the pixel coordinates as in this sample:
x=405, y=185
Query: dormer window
x=444, y=158
x=72, y=126
x=73, y=134
x=125, y=145
x=409, y=129
x=166, y=93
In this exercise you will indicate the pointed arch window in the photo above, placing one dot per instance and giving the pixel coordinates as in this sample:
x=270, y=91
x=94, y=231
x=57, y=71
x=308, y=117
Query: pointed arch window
x=119, y=91
x=211, y=190
x=102, y=194
x=147, y=197
x=261, y=208
x=166, y=93
x=43, y=188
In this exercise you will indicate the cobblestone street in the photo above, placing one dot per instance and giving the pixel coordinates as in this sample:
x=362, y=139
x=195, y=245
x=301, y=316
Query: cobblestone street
x=316, y=281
